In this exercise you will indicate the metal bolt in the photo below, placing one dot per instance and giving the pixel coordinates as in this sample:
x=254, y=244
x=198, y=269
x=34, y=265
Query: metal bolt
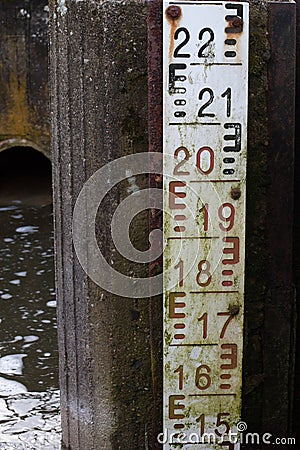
x=174, y=12
x=235, y=193
x=237, y=22
x=266, y=56
x=234, y=310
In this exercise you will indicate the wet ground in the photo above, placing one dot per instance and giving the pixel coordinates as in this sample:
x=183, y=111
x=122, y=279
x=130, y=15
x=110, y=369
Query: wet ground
x=29, y=396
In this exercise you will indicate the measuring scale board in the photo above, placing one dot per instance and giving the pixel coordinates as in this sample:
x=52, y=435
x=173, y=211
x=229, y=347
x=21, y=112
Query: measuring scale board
x=205, y=86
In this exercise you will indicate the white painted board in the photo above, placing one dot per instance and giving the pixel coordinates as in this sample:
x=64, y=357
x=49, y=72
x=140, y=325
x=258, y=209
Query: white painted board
x=205, y=85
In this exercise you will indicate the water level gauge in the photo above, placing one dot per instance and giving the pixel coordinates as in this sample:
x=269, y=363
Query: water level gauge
x=205, y=134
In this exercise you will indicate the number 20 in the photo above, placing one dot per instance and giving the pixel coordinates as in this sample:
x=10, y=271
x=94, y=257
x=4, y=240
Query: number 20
x=200, y=158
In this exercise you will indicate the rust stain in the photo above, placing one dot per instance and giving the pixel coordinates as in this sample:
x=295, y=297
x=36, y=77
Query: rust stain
x=174, y=22
x=235, y=23
x=17, y=116
x=172, y=32
x=234, y=310
x=18, y=119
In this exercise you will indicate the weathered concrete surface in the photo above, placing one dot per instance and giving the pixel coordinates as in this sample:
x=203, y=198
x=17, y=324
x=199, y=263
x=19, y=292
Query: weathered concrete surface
x=24, y=112
x=99, y=89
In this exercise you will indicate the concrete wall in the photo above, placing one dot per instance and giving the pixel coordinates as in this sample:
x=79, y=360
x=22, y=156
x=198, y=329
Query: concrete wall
x=24, y=110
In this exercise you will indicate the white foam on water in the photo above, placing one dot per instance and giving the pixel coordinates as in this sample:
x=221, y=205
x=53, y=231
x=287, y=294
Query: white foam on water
x=12, y=364
x=29, y=229
x=9, y=387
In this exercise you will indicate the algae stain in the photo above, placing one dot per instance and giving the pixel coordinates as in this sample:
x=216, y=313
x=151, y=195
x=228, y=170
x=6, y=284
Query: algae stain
x=17, y=115
x=18, y=119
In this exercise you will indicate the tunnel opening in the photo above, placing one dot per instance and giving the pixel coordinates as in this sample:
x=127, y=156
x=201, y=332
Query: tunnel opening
x=25, y=175
x=28, y=331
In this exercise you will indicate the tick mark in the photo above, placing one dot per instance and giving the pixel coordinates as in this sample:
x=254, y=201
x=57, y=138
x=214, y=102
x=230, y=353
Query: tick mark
x=225, y=376
x=230, y=54
x=227, y=273
x=230, y=41
x=227, y=283
x=179, y=336
x=229, y=160
x=210, y=395
x=179, y=326
x=214, y=292
x=178, y=426
x=228, y=171
x=179, y=229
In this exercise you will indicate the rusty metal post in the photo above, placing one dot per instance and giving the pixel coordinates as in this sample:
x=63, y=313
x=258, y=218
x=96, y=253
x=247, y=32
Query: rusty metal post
x=155, y=133
x=280, y=306
x=99, y=113
x=296, y=224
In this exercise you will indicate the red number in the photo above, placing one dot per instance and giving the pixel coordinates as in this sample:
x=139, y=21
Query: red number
x=221, y=422
x=201, y=419
x=226, y=323
x=226, y=218
x=202, y=379
x=180, y=372
x=180, y=267
x=205, y=210
x=181, y=163
x=203, y=271
x=204, y=318
x=199, y=162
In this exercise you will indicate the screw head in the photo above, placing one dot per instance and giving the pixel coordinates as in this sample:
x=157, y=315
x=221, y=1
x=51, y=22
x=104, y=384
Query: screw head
x=237, y=22
x=234, y=310
x=174, y=12
x=235, y=193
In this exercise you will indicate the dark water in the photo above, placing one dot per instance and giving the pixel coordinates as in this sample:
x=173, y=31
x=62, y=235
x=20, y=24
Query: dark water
x=29, y=396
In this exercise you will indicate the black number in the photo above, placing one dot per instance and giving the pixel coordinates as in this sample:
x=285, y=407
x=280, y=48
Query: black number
x=182, y=44
x=204, y=46
x=209, y=102
x=179, y=114
x=233, y=137
x=227, y=94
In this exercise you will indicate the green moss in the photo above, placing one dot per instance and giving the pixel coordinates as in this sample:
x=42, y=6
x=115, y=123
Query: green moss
x=133, y=126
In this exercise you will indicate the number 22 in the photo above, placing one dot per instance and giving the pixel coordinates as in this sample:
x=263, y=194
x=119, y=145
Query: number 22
x=185, y=32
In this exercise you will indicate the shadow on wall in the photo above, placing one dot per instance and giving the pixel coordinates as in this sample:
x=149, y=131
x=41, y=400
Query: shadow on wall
x=25, y=176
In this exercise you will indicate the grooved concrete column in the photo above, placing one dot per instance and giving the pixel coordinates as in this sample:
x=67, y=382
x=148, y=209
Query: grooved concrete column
x=99, y=113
